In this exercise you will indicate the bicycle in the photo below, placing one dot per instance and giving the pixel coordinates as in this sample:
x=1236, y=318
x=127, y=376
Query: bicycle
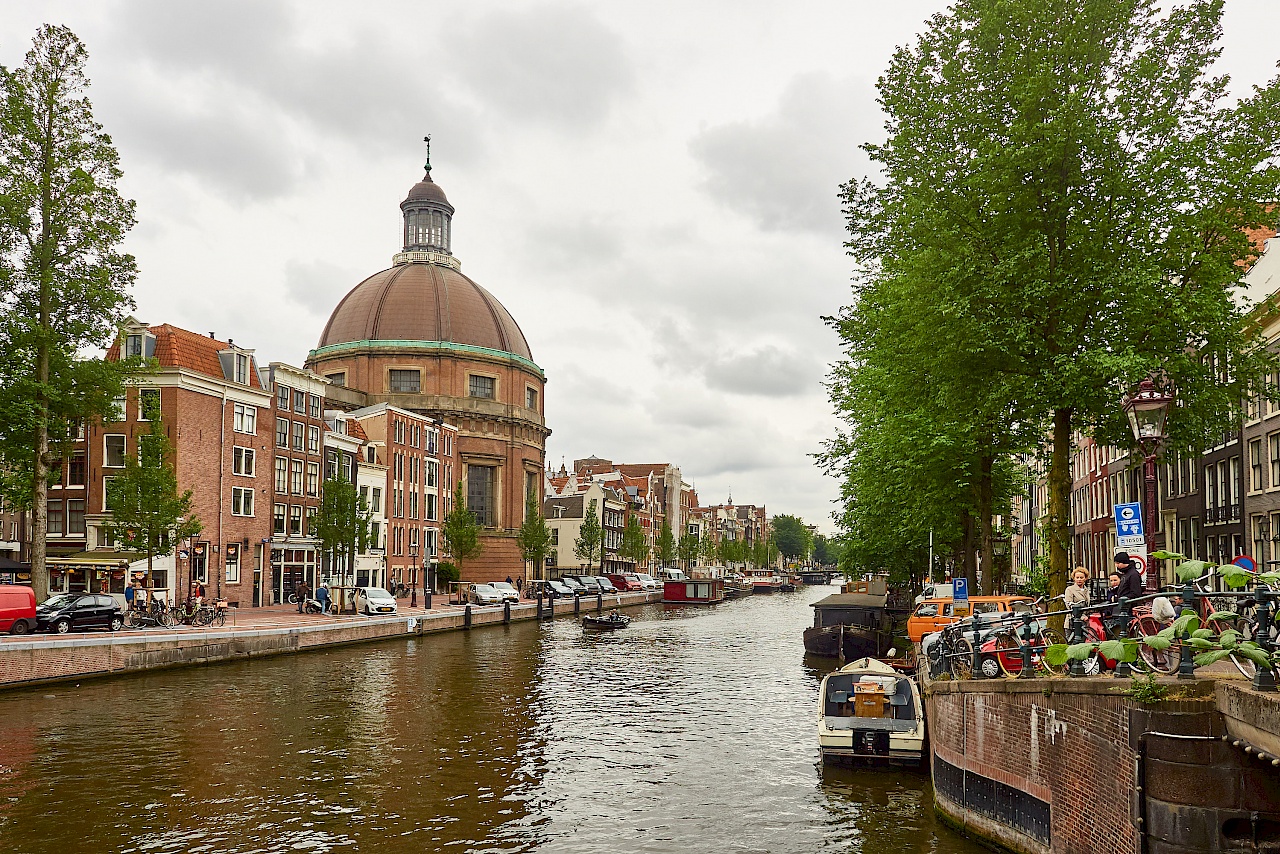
x=1008, y=642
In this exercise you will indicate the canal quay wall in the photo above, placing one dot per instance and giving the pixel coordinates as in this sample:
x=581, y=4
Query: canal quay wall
x=1058, y=766
x=45, y=658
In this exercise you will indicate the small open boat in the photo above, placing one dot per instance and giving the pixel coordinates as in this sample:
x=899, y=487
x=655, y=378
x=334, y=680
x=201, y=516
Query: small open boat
x=870, y=712
x=606, y=622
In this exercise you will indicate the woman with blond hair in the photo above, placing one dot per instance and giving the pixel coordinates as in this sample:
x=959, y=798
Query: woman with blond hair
x=1077, y=593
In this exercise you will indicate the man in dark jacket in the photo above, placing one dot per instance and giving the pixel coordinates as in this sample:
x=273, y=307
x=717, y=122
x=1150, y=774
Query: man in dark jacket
x=1130, y=579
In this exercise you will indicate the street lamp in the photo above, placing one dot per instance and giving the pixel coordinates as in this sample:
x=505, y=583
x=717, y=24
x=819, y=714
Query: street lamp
x=1264, y=530
x=1148, y=409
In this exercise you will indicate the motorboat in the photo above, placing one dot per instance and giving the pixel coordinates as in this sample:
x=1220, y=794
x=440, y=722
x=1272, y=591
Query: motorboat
x=735, y=586
x=870, y=713
x=606, y=622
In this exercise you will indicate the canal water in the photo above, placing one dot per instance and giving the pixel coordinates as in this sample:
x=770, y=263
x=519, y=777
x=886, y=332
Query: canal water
x=691, y=731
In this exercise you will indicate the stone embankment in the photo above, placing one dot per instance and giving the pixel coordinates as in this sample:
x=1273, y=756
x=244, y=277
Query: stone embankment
x=37, y=659
x=1052, y=766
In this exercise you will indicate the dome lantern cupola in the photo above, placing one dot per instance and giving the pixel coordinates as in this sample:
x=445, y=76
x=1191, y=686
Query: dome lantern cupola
x=428, y=216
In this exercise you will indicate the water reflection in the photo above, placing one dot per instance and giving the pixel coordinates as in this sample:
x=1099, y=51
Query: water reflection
x=691, y=730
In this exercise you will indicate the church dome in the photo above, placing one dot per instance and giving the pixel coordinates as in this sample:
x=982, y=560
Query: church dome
x=423, y=301
x=424, y=297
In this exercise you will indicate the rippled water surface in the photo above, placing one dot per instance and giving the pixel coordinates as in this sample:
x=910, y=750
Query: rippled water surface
x=690, y=731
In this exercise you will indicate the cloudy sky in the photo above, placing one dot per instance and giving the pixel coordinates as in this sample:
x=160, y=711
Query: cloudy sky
x=650, y=189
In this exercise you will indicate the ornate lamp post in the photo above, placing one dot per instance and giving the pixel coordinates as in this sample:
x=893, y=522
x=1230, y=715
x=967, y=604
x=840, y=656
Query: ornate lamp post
x=1264, y=531
x=1148, y=409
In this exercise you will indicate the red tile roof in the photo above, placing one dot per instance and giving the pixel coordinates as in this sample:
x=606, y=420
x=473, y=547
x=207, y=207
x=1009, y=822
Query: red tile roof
x=180, y=348
x=355, y=429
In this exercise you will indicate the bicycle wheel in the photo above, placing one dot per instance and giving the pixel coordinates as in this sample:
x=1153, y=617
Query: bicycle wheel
x=132, y=619
x=218, y=619
x=167, y=618
x=962, y=659
x=1009, y=654
x=1248, y=629
x=1049, y=637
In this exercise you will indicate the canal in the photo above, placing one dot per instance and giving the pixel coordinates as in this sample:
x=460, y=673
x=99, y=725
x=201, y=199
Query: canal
x=690, y=731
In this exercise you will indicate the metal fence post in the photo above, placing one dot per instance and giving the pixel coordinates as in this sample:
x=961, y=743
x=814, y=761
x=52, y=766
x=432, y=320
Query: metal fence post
x=1025, y=646
x=1264, y=679
x=1123, y=670
x=1075, y=634
x=1187, y=664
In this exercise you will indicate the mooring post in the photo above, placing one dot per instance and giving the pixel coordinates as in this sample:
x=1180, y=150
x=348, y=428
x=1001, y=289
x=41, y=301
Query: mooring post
x=577, y=604
x=539, y=606
x=506, y=611
x=599, y=603
x=466, y=617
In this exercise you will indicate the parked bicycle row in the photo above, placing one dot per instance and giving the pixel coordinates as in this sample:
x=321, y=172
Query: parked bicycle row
x=1174, y=631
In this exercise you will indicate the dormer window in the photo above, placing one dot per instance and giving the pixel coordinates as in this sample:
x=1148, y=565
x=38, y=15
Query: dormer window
x=242, y=368
x=133, y=346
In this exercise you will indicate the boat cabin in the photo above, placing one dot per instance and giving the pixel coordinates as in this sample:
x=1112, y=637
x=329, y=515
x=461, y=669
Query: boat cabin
x=693, y=592
x=866, y=611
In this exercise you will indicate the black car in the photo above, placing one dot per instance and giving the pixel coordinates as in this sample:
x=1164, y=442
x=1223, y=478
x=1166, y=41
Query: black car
x=69, y=611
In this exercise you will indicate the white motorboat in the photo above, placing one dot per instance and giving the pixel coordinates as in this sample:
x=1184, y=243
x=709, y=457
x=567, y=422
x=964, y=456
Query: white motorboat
x=868, y=712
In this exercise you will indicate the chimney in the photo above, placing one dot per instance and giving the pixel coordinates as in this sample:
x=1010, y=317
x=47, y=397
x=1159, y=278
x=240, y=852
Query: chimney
x=211, y=335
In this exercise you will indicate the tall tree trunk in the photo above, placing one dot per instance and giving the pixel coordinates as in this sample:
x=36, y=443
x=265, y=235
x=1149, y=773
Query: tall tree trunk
x=1058, y=520
x=985, y=501
x=969, y=551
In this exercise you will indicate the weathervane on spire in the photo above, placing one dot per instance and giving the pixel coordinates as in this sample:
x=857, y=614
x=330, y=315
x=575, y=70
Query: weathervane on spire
x=427, y=140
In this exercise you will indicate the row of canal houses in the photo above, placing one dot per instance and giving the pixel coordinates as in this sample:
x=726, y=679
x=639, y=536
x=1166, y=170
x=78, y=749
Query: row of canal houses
x=1216, y=505
x=254, y=443
x=655, y=494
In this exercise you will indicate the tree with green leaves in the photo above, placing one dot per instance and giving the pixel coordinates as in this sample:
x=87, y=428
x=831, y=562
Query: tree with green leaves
x=1061, y=209
x=461, y=531
x=63, y=280
x=343, y=524
x=822, y=551
x=792, y=536
x=635, y=545
x=708, y=552
x=534, y=537
x=590, y=541
x=687, y=549
x=148, y=514
x=666, y=546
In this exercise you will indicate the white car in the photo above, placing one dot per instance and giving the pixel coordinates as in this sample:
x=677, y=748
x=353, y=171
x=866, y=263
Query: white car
x=935, y=591
x=509, y=593
x=485, y=594
x=649, y=582
x=374, y=601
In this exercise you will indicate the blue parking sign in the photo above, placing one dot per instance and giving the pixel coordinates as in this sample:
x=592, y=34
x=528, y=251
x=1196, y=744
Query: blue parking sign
x=959, y=590
x=1129, y=520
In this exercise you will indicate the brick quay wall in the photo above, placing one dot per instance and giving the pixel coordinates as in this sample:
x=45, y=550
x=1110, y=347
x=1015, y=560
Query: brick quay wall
x=37, y=659
x=1058, y=766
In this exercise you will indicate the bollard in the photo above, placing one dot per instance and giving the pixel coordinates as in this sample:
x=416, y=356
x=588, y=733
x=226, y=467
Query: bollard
x=1025, y=647
x=1123, y=670
x=600, y=603
x=426, y=599
x=539, y=606
x=506, y=612
x=466, y=617
x=1075, y=634
x=577, y=604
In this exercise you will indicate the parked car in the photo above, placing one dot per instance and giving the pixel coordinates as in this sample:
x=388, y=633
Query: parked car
x=932, y=614
x=17, y=609
x=626, y=583
x=485, y=594
x=605, y=585
x=69, y=611
x=549, y=590
x=573, y=585
x=374, y=601
x=650, y=583
x=588, y=583
x=508, y=591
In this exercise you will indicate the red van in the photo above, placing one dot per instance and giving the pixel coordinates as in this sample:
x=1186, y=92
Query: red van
x=17, y=609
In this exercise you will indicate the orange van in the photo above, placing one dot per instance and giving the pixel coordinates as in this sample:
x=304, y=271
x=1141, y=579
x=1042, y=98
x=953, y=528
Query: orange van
x=932, y=614
x=17, y=609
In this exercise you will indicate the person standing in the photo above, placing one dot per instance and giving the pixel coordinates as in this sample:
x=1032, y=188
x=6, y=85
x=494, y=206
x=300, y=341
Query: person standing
x=1077, y=593
x=1130, y=579
x=322, y=596
x=129, y=593
x=301, y=592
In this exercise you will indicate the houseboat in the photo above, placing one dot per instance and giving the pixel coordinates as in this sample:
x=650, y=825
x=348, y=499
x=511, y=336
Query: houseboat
x=736, y=586
x=870, y=713
x=764, y=580
x=693, y=591
x=850, y=625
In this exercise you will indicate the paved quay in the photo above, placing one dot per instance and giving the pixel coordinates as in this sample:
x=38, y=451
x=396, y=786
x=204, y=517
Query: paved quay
x=249, y=632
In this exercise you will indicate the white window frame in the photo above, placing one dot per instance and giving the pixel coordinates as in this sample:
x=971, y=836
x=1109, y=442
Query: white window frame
x=241, y=499
x=245, y=419
x=243, y=461
x=124, y=449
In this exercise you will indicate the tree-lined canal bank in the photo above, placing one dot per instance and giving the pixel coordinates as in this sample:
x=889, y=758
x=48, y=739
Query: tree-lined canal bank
x=692, y=730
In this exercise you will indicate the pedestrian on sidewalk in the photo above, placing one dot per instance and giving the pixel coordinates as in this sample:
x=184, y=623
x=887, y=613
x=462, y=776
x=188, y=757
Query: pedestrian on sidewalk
x=322, y=596
x=1077, y=593
x=1130, y=578
x=129, y=593
x=301, y=591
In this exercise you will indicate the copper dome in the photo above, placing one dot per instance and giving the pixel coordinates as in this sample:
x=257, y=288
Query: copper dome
x=424, y=302
x=427, y=190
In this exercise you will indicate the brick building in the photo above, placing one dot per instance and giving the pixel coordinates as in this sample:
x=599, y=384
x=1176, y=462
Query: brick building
x=422, y=337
